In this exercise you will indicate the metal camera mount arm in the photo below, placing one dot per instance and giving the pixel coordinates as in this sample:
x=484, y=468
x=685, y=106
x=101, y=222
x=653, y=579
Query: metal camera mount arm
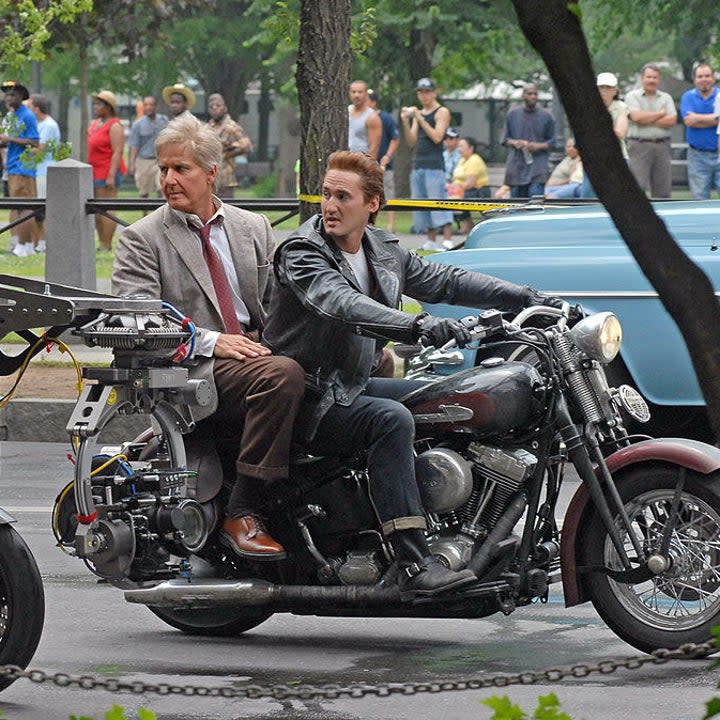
x=144, y=335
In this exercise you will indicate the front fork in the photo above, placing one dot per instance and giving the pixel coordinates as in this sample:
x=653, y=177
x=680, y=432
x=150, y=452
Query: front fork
x=582, y=451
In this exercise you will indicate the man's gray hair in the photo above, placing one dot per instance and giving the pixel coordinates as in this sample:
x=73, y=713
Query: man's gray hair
x=650, y=66
x=40, y=102
x=204, y=145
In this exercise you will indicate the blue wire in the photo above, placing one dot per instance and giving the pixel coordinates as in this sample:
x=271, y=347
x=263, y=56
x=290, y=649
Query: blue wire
x=191, y=325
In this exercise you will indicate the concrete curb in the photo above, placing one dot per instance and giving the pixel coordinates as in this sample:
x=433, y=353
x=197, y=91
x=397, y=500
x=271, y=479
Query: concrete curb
x=42, y=420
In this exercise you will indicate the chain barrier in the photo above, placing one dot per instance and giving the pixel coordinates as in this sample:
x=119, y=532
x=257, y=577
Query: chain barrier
x=332, y=692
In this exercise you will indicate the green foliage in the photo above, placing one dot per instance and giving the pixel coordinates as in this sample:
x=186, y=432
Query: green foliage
x=24, y=27
x=117, y=712
x=548, y=708
x=265, y=187
x=32, y=157
x=686, y=27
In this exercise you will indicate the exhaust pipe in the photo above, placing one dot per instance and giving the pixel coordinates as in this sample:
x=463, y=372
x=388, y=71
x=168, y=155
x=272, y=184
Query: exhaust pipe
x=260, y=593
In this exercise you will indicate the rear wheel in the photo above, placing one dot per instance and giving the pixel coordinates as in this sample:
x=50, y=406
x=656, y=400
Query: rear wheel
x=682, y=604
x=212, y=622
x=22, y=601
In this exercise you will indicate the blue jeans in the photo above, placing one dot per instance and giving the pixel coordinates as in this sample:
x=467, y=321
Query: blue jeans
x=377, y=423
x=426, y=183
x=527, y=191
x=559, y=192
x=703, y=173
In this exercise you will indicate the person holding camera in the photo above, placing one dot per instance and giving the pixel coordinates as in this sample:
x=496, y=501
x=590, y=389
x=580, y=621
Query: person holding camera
x=424, y=129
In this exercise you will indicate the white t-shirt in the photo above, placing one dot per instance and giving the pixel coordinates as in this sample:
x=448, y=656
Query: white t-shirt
x=358, y=263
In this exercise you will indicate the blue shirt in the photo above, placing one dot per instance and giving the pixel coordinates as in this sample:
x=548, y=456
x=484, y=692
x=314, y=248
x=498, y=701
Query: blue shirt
x=25, y=126
x=389, y=132
x=537, y=126
x=143, y=135
x=699, y=138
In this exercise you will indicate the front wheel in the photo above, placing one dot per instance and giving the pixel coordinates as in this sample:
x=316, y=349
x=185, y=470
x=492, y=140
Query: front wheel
x=22, y=602
x=212, y=622
x=682, y=604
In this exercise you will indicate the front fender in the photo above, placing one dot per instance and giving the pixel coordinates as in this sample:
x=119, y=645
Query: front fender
x=6, y=518
x=691, y=454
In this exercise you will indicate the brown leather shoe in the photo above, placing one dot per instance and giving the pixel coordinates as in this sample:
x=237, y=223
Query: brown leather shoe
x=247, y=537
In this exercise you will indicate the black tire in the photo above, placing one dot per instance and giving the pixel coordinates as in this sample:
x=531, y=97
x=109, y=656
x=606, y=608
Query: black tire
x=22, y=601
x=681, y=605
x=212, y=622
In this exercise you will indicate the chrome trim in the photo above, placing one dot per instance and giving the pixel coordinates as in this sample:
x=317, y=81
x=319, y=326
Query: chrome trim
x=631, y=294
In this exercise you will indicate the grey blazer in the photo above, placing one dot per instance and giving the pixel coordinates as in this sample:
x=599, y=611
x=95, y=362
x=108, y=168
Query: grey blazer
x=160, y=257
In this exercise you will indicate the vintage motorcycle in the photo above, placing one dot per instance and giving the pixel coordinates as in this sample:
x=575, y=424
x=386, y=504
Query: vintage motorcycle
x=640, y=538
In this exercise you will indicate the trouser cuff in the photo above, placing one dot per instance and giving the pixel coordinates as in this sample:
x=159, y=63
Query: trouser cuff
x=411, y=522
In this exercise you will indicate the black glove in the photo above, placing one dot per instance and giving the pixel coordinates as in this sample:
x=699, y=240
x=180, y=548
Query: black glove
x=435, y=331
x=535, y=297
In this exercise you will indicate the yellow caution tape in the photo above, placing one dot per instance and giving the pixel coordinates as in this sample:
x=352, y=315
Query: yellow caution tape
x=467, y=205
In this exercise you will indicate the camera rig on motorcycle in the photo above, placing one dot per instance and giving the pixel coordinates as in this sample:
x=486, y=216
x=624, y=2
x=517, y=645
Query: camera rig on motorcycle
x=147, y=338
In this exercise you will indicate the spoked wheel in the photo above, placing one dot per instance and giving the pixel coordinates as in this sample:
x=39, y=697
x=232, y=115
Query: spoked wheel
x=682, y=604
x=213, y=622
x=22, y=602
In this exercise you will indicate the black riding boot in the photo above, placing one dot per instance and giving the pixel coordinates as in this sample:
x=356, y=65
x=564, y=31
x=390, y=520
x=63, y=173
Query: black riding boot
x=420, y=573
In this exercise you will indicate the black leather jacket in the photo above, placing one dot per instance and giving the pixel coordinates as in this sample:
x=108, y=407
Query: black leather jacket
x=319, y=316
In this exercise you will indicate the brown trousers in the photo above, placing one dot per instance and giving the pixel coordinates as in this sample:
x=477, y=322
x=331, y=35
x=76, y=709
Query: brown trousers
x=260, y=398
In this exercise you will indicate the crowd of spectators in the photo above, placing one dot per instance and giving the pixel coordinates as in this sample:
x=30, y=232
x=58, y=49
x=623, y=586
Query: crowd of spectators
x=444, y=164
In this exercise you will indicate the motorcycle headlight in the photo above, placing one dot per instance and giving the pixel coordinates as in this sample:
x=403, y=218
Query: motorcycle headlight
x=598, y=336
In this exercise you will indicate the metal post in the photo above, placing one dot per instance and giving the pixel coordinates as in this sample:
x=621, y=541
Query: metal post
x=70, y=231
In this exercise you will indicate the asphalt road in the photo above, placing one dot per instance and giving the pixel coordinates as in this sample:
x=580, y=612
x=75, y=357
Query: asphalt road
x=89, y=629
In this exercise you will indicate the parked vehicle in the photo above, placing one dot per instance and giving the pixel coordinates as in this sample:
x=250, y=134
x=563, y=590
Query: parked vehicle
x=492, y=445
x=577, y=253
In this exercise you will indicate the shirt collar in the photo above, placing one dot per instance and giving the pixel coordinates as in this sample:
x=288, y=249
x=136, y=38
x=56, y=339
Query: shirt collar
x=194, y=221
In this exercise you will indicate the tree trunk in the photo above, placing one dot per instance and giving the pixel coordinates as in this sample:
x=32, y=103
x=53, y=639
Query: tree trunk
x=83, y=90
x=322, y=78
x=685, y=291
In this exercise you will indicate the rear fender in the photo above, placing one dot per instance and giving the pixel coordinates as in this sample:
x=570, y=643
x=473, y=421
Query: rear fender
x=5, y=517
x=691, y=454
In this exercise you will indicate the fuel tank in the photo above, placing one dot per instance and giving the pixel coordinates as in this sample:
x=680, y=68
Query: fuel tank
x=489, y=400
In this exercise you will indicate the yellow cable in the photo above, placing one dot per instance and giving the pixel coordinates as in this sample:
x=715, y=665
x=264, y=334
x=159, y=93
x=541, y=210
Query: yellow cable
x=43, y=340
x=119, y=456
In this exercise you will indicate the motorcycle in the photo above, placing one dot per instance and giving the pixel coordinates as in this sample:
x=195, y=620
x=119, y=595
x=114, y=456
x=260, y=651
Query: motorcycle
x=640, y=538
x=22, y=600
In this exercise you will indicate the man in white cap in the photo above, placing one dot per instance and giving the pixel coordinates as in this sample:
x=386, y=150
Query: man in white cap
x=607, y=84
x=179, y=98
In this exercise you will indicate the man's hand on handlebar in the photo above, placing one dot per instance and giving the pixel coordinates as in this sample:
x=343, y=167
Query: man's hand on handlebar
x=535, y=297
x=436, y=331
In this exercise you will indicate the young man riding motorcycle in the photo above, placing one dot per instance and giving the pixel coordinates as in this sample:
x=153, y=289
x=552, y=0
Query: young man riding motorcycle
x=333, y=307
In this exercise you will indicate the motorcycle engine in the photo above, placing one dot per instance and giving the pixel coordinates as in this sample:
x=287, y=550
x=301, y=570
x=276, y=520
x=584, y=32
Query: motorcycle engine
x=445, y=479
x=470, y=495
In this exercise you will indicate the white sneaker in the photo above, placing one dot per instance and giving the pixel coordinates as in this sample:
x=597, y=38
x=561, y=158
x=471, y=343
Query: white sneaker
x=23, y=250
x=432, y=245
x=41, y=247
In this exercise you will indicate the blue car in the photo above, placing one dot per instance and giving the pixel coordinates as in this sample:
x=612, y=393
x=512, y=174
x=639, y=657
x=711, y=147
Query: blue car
x=577, y=253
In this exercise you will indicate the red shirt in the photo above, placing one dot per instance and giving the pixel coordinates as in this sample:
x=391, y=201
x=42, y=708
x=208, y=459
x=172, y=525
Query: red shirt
x=100, y=149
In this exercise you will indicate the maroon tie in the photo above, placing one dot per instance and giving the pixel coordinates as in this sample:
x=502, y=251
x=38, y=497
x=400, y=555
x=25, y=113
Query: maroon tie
x=219, y=280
